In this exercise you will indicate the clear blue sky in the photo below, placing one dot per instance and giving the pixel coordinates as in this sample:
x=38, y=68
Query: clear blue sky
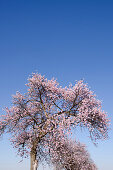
x=66, y=39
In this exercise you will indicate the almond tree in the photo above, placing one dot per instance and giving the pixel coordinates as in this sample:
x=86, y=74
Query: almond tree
x=46, y=109
x=70, y=155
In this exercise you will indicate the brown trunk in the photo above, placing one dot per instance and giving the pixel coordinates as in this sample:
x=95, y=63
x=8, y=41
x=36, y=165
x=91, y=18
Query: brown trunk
x=34, y=162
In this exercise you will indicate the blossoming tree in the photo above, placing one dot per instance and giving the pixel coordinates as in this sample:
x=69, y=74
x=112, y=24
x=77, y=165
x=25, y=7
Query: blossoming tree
x=48, y=111
x=70, y=155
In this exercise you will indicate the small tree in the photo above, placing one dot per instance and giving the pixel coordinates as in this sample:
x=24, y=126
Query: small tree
x=70, y=155
x=46, y=109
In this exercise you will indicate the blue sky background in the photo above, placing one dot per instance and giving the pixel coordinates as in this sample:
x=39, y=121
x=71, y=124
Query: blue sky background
x=66, y=39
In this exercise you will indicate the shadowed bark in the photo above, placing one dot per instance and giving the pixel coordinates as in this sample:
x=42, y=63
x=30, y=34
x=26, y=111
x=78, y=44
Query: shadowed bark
x=34, y=162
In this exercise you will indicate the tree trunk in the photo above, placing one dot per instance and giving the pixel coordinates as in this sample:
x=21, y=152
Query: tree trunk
x=34, y=162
